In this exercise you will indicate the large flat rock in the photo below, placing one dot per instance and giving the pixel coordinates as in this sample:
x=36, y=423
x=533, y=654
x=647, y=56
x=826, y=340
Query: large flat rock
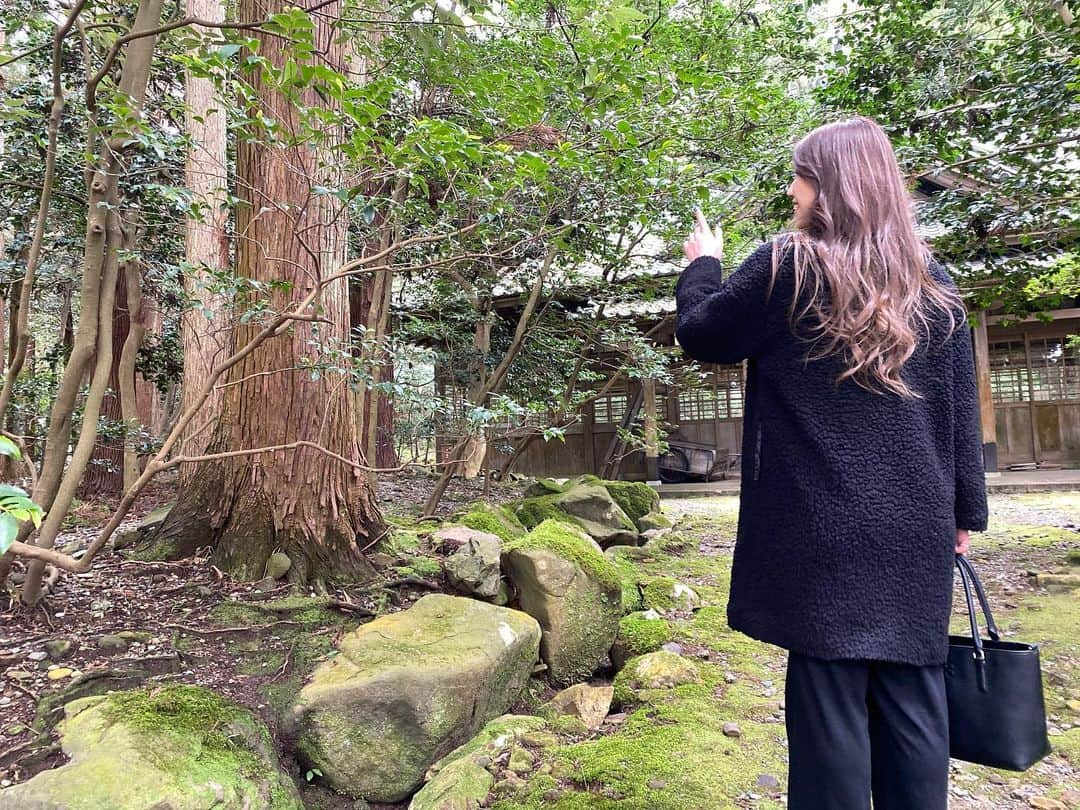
x=408, y=688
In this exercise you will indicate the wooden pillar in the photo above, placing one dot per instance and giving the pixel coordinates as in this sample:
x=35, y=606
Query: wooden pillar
x=986, y=397
x=713, y=373
x=652, y=442
x=1036, y=453
x=673, y=416
x=588, y=435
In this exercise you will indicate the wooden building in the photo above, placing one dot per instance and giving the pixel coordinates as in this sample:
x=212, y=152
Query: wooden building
x=1028, y=376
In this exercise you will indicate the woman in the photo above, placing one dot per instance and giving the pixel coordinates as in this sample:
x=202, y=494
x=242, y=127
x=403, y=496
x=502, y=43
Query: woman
x=862, y=469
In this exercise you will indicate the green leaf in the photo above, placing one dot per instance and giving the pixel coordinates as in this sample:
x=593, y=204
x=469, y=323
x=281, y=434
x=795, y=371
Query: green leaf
x=9, y=527
x=9, y=448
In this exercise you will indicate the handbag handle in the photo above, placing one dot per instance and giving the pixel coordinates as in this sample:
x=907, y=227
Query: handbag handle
x=978, y=653
x=991, y=627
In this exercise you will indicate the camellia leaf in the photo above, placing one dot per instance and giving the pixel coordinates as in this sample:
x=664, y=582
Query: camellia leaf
x=9, y=527
x=9, y=448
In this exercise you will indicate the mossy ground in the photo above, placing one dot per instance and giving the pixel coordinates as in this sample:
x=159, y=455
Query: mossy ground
x=671, y=751
x=283, y=656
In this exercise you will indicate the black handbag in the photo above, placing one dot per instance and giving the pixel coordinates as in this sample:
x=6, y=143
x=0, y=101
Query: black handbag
x=994, y=688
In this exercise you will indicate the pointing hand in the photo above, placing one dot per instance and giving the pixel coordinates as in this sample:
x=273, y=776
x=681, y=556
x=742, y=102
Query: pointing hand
x=703, y=241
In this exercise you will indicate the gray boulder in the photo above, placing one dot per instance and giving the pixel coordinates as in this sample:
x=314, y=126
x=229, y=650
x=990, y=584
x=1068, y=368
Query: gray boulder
x=474, y=567
x=587, y=505
x=408, y=688
x=566, y=583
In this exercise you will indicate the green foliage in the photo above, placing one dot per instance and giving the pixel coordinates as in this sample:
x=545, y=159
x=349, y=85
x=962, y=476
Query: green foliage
x=15, y=504
x=989, y=89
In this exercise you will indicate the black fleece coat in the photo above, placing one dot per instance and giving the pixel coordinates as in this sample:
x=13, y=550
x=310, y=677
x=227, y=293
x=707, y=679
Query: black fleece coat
x=850, y=499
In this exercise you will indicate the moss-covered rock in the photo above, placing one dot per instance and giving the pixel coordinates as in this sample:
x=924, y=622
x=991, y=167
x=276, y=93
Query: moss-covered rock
x=575, y=593
x=461, y=780
x=176, y=746
x=640, y=633
x=409, y=687
x=655, y=670
x=635, y=498
x=654, y=520
x=586, y=505
x=498, y=520
x=545, y=486
x=474, y=567
x=665, y=593
x=589, y=704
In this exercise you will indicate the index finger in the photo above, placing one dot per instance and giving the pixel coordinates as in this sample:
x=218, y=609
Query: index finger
x=701, y=221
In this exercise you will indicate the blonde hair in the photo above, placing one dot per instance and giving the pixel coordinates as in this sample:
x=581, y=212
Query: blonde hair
x=869, y=269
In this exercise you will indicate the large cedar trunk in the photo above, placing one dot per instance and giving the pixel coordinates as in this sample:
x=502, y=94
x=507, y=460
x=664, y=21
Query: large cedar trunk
x=319, y=511
x=206, y=342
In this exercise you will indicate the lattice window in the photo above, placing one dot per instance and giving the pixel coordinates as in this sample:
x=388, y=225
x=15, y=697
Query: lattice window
x=1008, y=371
x=697, y=404
x=729, y=389
x=1054, y=372
x=610, y=408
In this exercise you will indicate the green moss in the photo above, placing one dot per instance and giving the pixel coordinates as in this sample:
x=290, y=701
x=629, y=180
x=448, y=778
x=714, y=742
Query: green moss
x=419, y=566
x=670, y=754
x=401, y=541
x=565, y=541
x=221, y=728
x=500, y=521
x=629, y=578
x=635, y=498
x=531, y=512
x=307, y=642
x=639, y=635
x=587, y=478
x=665, y=593
x=550, y=485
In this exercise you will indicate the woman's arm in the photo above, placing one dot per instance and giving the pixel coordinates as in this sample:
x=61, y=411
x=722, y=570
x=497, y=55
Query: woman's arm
x=723, y=320
x=971, y=507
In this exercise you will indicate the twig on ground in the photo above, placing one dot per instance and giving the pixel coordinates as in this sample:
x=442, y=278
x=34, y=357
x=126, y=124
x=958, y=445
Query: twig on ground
x=218, y=631
x=413, y=581
x=16, y=685
x=285, y=664
x=349, y=607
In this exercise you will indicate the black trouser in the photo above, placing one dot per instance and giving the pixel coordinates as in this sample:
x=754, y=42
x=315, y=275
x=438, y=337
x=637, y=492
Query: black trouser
x=858, y=727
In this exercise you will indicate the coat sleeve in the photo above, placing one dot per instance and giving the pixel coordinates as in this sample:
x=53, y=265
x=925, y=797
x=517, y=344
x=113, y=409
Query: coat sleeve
x=971, y=508
x=723, y=320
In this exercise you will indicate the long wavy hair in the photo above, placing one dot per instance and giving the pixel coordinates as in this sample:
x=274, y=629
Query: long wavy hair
x=858, y=254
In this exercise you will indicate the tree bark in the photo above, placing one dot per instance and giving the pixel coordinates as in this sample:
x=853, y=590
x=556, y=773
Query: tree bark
x=320, y=512
x=105, y=474
x=205, y=340
x=57, y=484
